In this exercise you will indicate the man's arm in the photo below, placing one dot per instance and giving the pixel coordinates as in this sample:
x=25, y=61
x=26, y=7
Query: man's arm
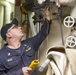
x=45, y=29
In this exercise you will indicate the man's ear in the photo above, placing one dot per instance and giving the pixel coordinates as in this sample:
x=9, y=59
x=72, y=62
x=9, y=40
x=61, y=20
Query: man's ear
x=8, y=34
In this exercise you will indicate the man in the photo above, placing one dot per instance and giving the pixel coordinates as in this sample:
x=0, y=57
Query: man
x=16, y=55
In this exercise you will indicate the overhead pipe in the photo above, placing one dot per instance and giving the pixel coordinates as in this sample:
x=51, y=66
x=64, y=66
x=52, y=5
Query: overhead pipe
x=70, y=2
x=1, y=15
x=31, y=14
x=1, y=22
x=7, y=11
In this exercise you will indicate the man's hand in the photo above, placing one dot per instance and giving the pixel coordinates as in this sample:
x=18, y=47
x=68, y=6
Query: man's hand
x=27, y=71
x=47, y=12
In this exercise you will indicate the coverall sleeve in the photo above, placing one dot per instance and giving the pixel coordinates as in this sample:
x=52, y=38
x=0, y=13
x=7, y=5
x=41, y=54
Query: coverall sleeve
x=42, y=34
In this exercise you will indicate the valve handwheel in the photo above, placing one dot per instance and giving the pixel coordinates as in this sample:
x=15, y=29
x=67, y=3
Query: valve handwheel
x=68, y=21
x=71, y=41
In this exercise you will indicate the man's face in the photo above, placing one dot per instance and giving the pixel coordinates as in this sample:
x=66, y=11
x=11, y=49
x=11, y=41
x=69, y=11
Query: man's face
x=15, y=31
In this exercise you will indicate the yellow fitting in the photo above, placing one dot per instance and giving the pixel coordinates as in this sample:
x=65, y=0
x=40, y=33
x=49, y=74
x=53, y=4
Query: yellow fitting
x=33, y=64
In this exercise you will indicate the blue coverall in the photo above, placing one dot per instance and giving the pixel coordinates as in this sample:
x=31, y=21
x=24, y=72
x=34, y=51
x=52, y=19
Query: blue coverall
x=12, y=60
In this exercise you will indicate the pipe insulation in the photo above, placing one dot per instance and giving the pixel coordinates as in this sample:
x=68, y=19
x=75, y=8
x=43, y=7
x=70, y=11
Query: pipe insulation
x=1, y=15
x=1, y=21
x=31, y=14
x=7, y=12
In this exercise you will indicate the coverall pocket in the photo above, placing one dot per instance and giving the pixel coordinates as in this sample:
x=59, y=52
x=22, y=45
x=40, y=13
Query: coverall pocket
x=30, y=53
x=11, y=64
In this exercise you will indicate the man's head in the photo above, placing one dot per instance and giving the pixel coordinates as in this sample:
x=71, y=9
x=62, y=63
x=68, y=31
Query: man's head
x=8, y=28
